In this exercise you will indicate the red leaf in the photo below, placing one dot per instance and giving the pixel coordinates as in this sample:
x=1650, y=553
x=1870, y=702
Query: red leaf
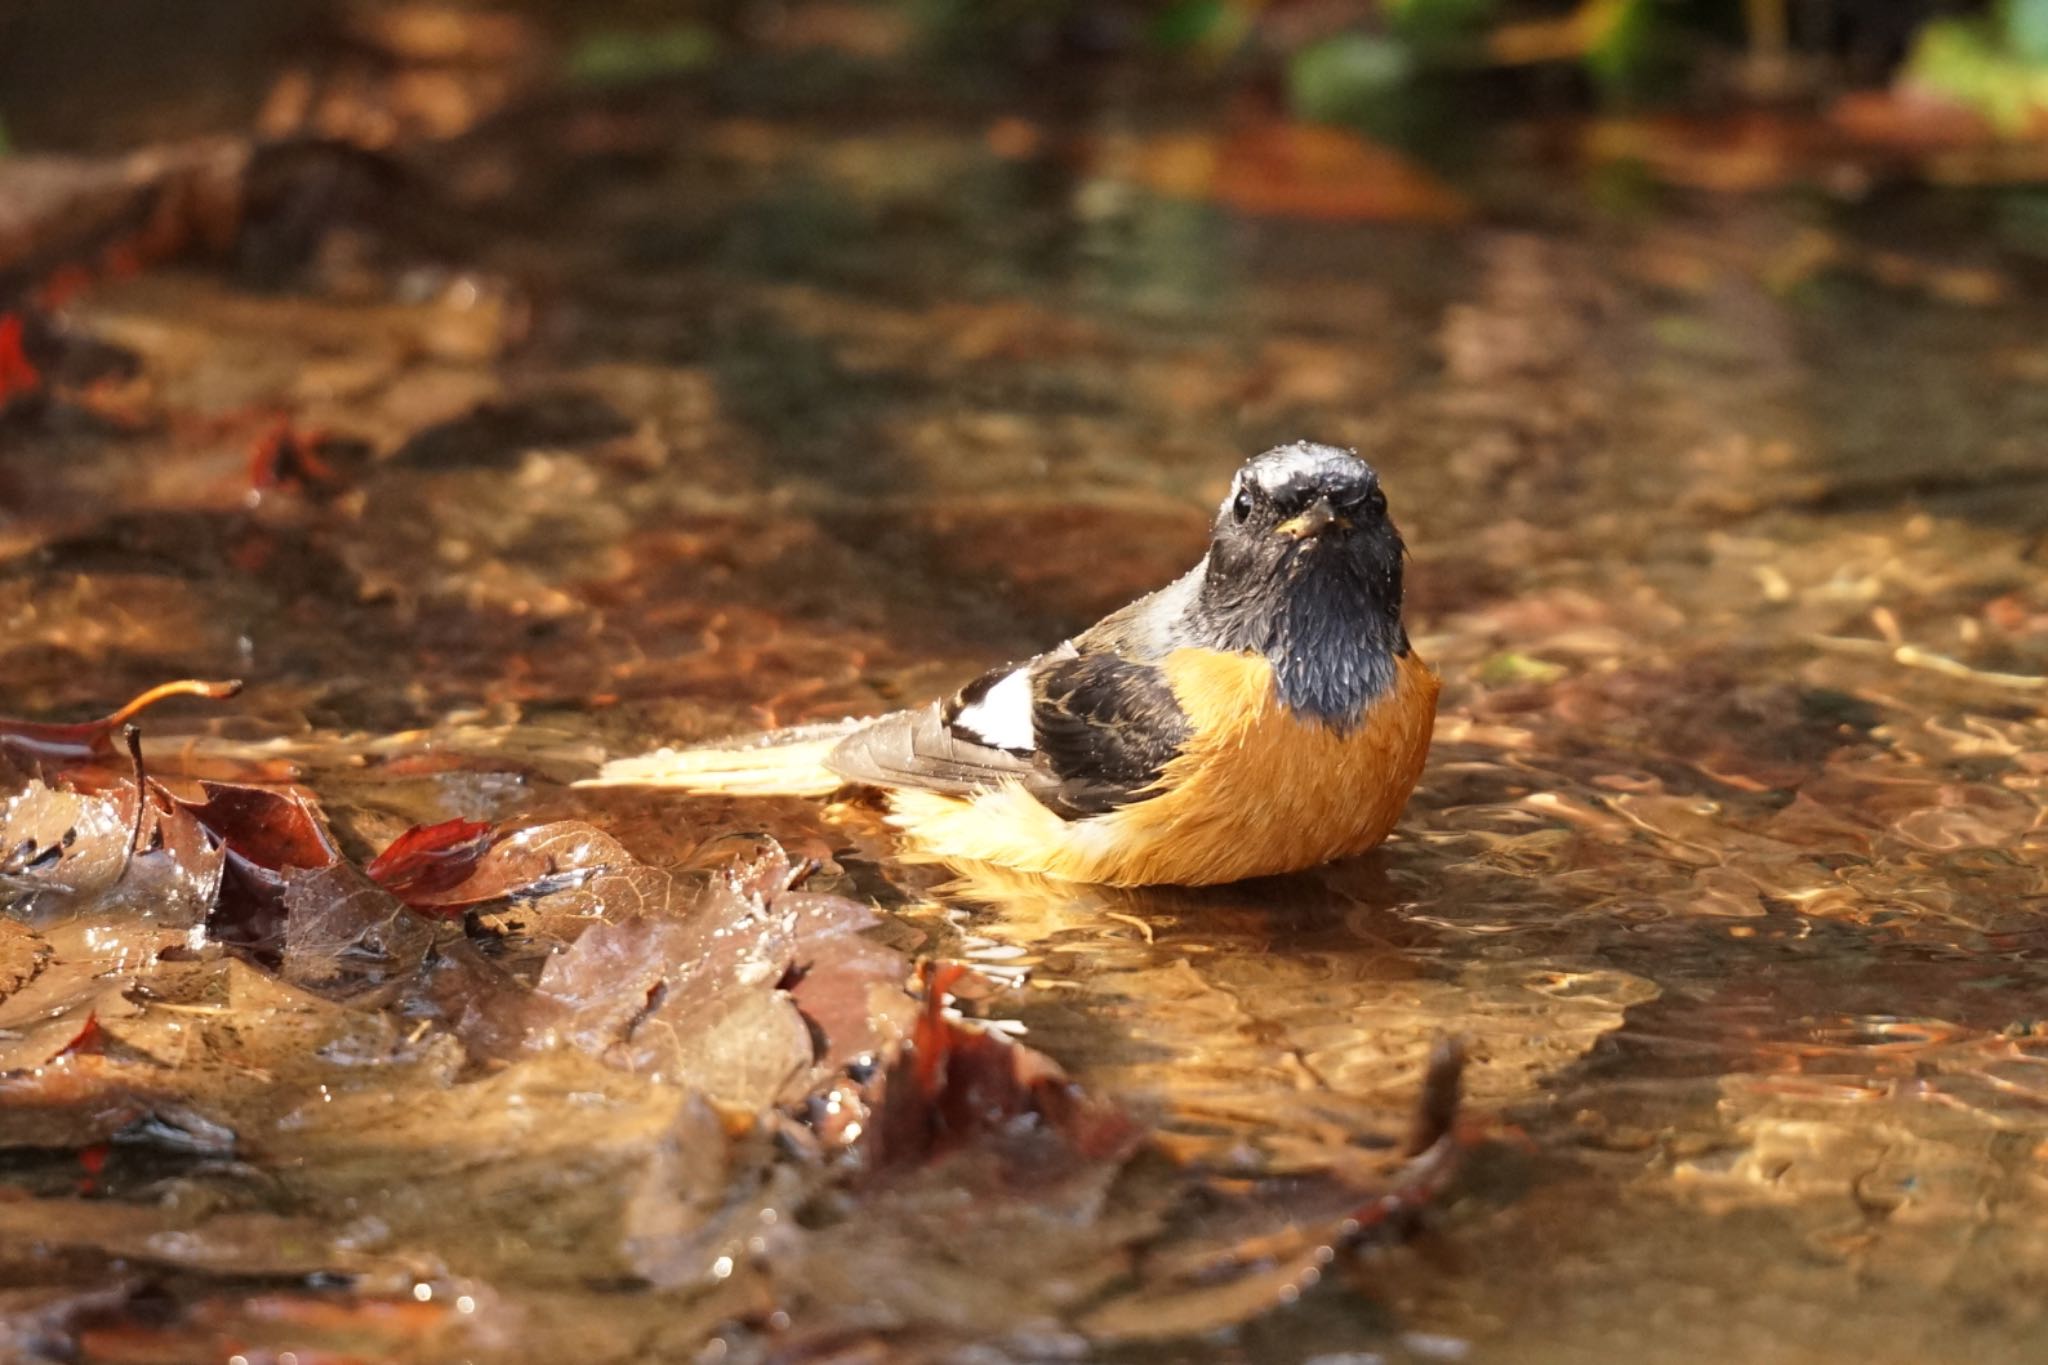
x=84, y=739
x=87, y=1040
x=274, y=829
x=267, y=832
x=18, y=374
x=954, y=1084
x=429, y=859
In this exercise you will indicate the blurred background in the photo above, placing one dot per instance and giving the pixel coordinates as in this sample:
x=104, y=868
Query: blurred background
x=496, y=388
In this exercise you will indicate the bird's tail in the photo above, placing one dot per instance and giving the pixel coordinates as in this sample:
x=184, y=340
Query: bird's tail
x=780, y=763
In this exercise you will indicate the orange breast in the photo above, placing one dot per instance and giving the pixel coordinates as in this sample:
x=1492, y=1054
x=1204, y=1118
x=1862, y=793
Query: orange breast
x=1258, y=790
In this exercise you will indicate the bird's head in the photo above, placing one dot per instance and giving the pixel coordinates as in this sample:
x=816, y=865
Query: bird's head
x=1304, y=565
x=1305, y=515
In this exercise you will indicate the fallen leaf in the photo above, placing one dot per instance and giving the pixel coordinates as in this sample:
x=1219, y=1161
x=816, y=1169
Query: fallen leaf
x=342, y=928
x=954, y=1084
x=203, y=1240
x=95, y=738
x=274, y=829
x=1299, y=170
x=22, y=954
x=429, y=859
x=75, y=854
x=267, y=833
x=687, y=981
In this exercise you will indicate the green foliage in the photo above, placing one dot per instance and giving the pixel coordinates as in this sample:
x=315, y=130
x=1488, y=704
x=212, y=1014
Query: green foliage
x=2026, y=28
x=626, y=56
x=1620, y=55
x=1350, y=78
x=1214, y=26
x=1978, y=63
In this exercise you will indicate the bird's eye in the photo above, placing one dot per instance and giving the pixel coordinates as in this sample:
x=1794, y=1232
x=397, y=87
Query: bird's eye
x=1241, y=505
x=1375, y=502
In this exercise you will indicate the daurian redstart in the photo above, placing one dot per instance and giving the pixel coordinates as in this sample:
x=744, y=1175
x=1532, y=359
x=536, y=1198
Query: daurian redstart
x=1261, y=714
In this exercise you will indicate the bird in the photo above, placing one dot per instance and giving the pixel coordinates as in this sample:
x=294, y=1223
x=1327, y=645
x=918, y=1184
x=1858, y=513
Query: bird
x=1262, y=714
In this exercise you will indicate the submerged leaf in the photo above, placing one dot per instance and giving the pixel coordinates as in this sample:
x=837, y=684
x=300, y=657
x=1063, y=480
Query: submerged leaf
x=341, y=925
x=429, y=859
x=22, y=955
x=698, y=982
x=94, y=855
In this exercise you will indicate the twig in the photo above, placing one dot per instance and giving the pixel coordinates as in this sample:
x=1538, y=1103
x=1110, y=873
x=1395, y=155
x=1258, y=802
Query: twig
x=1912, y=656
x=132, y=734
x=1436, y=1109
x=184, y=687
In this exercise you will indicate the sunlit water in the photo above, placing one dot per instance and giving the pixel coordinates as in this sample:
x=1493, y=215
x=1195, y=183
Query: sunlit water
x=1731, y=862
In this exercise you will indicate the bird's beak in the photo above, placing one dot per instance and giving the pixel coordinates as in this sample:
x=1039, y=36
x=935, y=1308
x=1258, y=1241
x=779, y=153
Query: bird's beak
x=1316, y=520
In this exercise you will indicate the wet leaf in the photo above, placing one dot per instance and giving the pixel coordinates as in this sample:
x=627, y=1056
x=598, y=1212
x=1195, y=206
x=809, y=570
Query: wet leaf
x=339, y=924
x=972, y=1131
x=687, y=982
x=203, y=1240
x=94, y=855
x=58, y=1012
x=275, y=830
x=86, y=739
x=558, y=1168
x=568, y=871
x=953, y=1085
x=429, y=859
x=22, y=955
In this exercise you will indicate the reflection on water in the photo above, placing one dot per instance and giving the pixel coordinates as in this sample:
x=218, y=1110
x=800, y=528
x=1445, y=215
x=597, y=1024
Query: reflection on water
x=1732, y=859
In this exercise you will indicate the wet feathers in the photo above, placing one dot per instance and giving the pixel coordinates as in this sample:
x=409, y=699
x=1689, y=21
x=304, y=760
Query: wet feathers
x=1262, y=714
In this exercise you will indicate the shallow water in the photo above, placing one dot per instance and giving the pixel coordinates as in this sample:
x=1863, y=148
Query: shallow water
x=1731, y=861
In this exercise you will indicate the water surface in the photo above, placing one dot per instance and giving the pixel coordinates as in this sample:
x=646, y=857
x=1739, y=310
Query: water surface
x=1731, y=861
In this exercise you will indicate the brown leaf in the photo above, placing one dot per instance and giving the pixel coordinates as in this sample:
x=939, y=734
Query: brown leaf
x=75, y=854
x=274, y=829
x=567, y=871
x=557, y=1166
x=22, y=954
x=686, y=981
x=341, y=925
x=197, y=1239
x=1300, y=170
x=1243, y=1254
x=954, y=1084
x=47, y=1016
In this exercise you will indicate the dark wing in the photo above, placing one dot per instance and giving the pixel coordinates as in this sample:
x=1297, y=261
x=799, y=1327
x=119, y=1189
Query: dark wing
x=1107, y=727
x=1101, y=730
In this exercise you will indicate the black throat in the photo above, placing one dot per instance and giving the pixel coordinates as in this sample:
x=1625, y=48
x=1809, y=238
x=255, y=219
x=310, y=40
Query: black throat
x=1330, y=628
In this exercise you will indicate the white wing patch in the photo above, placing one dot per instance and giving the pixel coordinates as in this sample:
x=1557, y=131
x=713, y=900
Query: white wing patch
x=1002, y=718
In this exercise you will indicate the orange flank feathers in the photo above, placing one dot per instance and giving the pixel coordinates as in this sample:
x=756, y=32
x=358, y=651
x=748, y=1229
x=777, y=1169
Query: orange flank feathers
x=1259, y=791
